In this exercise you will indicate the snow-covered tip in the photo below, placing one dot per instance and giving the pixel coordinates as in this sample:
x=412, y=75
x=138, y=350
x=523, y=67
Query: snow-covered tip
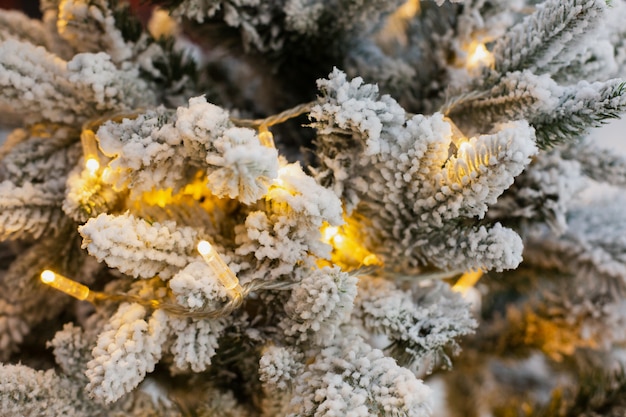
x=148, y=249
x=242, y=167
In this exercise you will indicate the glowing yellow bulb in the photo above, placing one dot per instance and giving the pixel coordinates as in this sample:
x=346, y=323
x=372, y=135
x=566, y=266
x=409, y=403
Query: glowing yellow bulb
x=204, y=247
x=223, y=273
x=47, y=276
x=372, y=260
x=329, y=232
x=92, y=165
x=266, y=137
x=467, y=281
x=339, y=240
x=479, y=56
x=66, y=285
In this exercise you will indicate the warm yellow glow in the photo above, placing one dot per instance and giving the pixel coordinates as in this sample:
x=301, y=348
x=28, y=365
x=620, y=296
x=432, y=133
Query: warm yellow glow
x=478, y=56
x=159, y=198
x=217, y=265
x=338, y=240
x=394, y=30
x=47, y=276
x=106, y=174
x=204, y=247
x=371, y=260
x=328, y=233
x=161, y=24
x=92, y=165
x=195, y=190
x=89, y=142
x=407, y=10
x=66, y=285
x=347, y=251
x=467, y=281
x=266, y=137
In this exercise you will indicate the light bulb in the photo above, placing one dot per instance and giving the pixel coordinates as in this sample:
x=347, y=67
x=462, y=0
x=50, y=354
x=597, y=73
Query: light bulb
x=66, y=285
x=92, y=165
x=204, y=247
x=223, y=273
x=468, y=280
x=266, y=137
x=479, y=56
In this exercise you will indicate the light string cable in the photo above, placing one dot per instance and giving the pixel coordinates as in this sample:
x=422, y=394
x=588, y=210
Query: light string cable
x=276, y=118
x=84, y=293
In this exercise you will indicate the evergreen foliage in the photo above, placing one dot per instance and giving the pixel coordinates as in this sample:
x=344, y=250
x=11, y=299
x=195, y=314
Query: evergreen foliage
x=280, y=208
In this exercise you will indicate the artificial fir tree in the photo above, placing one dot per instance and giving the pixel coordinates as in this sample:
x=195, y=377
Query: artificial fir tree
x=281, y=208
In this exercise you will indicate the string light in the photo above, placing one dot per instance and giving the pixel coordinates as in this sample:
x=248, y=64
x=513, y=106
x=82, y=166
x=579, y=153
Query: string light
x=468, y=280
x=68, y=286
x=89, y=140
x=83, y=293
x=225, y=275
x=266, y=137
x=329, y=234
x=478, y=56
x=89, y=143
x=92, y=165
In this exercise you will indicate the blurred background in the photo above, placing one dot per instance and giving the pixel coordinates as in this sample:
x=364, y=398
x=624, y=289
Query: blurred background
x=30, y=7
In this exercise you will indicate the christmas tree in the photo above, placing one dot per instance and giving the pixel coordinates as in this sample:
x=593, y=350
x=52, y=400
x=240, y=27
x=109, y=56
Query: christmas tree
x=312, y=208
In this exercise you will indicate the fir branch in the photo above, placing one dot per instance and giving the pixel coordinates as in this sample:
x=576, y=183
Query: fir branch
x=88, y=196
x=419, y=325
x=126, y=350
x=29, y=211
x=27, y=392
x=44, y=88
x=149, y=249
x=283, y=234
x=126, y=21
x=350, y=377
x=195, y=342
x=99, y=25
x=581, y=107
x=540, y=38
x=320, y=303
x=16, y=25
x=44, y=155
x=600, y=394
x=24, y=301
x=35, y=171
x=517, y=95
x=412, y=202
x=171, y=68
x=592, y=249
x=541, y=194
x=279, y=367
x=159, y=147
x=600, y=164
x=71, y=351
